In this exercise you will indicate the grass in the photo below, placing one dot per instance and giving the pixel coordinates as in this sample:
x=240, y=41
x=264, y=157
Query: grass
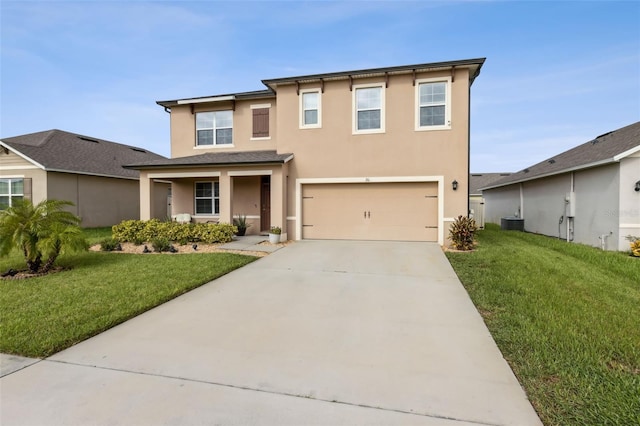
x=41, y=316
x=567, y=319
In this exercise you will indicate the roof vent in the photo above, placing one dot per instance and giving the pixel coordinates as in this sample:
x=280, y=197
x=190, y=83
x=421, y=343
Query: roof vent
x=526, y=170
x=84, y=138
x=505, y=174
x=552, y=161
x=138, y=150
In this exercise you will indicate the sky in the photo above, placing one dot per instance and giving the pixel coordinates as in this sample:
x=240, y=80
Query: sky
x=557, y=73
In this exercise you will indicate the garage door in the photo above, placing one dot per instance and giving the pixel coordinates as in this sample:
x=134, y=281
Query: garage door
x=370, y=211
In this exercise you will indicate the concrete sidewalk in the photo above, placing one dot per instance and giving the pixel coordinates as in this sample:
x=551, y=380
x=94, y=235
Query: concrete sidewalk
x=320, y=332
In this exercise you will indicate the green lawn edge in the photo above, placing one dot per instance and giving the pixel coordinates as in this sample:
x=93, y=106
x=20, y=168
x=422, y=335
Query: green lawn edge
x=44, y=315
x=567, y=320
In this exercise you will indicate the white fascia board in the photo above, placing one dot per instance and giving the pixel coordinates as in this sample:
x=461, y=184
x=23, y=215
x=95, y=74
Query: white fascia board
x=202, y=100
x=21, y=155
x=559, y=172
x=627, y=153
x=289, y=158
x=169, y=175
x=250, y=172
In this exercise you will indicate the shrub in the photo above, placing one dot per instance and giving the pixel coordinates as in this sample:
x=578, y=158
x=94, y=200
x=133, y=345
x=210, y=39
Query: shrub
x=634, y=243
x=110, y=244
x=41, y=232
x=462, y=233
x=138, y=231
x=160, y=244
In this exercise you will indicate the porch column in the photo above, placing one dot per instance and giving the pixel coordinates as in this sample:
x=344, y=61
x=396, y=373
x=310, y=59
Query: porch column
x=278, y=213
x=226, y=197
x=146, y=196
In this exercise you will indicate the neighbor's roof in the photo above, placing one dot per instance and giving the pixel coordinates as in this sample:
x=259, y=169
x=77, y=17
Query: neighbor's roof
x=473, y=65
x=481, y=180
x=59, y=151
x=237, y=158
x=605, y=149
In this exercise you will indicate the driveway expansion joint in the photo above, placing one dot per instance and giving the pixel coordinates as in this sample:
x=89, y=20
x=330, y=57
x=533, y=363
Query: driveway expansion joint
x=293, y=395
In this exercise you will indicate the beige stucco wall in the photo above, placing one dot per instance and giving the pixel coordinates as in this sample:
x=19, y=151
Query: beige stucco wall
x=333, y=150
x=183, y=128
x=103, y=201
x=99, y=201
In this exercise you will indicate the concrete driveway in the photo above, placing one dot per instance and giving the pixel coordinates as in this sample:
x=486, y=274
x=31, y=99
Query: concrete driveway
x=320, y=332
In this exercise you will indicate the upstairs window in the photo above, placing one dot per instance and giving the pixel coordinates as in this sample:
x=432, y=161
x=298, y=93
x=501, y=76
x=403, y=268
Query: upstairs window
x=12, y=190
x=310, y=114
x=207, y=198
x=368, y=109
x=433, y=109
x=214, y=128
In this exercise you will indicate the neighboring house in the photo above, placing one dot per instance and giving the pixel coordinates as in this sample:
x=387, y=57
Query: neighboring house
x=368, y=155
x=476, y=201
x=84, y=170
x=589, y=194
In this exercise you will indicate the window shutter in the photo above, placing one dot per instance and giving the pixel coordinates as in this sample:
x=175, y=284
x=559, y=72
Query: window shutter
x=261, y=123
x=26, y=188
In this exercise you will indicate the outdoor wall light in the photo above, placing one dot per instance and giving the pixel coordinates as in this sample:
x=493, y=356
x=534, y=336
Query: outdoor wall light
x=638, y=186
x=454, y=185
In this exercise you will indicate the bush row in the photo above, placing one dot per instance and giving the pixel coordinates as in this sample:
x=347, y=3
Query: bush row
x=140, y=231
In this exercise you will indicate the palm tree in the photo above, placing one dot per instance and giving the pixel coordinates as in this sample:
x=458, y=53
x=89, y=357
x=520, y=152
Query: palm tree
x=45, y=229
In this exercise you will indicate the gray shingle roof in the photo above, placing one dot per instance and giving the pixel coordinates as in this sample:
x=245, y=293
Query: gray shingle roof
x=602, y=150
x=57, y=150
x=481, y=180
x=216, y=159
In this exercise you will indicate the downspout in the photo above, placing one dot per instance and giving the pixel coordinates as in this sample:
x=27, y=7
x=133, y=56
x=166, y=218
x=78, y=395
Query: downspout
x=468, y=147
x=521, y=201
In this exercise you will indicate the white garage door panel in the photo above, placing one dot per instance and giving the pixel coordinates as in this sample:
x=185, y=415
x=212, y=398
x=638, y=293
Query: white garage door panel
x=370, y=211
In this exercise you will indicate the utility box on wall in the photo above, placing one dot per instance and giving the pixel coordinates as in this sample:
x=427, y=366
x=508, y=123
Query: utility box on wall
x=570, y=204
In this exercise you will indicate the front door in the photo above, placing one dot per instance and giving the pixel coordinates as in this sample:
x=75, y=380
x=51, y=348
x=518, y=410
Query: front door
x=265, y=203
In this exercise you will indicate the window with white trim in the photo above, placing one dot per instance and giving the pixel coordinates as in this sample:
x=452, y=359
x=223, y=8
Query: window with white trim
x=207, y=198
x=433, y=111
x=368, y=109
x=10, y=191
x=214, y=128
x=310, y=109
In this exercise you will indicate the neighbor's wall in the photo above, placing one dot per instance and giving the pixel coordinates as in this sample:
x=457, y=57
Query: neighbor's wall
x=544, y=205
x=597, y=206
x=501, y=202
x=99, y=201
x=597, y=201
x=629, y=213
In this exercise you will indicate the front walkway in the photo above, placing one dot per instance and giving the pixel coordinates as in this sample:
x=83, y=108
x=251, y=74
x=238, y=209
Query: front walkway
x=318, y=333
x=251, y=243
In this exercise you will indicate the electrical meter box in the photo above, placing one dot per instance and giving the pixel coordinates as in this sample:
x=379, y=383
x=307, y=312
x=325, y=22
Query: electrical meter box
x=570, y=204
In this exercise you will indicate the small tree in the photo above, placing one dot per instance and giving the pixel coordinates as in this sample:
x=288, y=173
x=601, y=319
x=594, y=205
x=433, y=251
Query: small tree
x=462, y=233
x=41, y=231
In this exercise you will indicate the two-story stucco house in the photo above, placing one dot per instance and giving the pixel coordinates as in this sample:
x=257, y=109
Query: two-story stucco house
x=375, y=154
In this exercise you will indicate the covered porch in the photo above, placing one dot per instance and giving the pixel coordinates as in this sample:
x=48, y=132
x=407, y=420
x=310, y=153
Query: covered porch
x=218, y=187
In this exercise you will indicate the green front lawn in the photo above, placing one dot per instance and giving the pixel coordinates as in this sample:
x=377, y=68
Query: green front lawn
x=43, y=315
x=567, y=319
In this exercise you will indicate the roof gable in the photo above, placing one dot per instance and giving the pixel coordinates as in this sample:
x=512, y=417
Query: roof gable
x=481, y=180
x=605, y=149
x=56, y=150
